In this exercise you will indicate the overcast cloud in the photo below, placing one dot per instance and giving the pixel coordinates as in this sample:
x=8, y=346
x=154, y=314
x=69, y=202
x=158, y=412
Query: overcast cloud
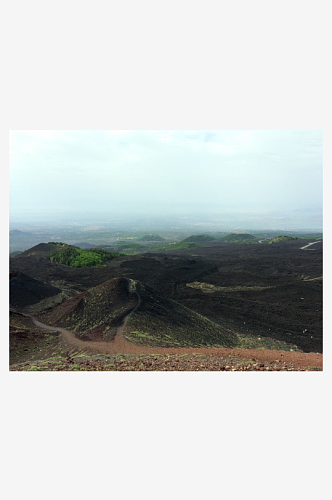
x=165, y=171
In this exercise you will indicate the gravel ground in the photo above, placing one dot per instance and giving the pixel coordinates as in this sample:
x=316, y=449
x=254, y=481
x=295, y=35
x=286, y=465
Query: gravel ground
x=189, y=362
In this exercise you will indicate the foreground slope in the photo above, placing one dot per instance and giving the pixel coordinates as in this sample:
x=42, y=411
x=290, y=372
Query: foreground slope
x=123, y=307
x=29, y=344
x=98, y=314
x=48, y=349
x=165, y=323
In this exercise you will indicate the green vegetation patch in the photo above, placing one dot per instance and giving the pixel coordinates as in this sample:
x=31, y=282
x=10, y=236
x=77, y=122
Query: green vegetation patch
x=70, y=255
x=198, y=238
x=277, y=239
x=249, y=341
x=174, y=246
x=239, y=238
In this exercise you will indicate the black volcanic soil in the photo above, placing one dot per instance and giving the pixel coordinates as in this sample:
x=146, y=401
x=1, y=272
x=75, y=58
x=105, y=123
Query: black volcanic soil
x=162, y=322
x=96, y=313
x=287, y=308
x=271, y=291
x=29, y=344
x=99, y=313
x=159, y=271
x=25, y=291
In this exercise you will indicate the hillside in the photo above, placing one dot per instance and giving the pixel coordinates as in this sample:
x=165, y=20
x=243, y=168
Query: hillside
x=265, y=292
x=127, y=307
x=239, y=238
x=39, y=250
x=12, y=254
x=199, y=238
x=96, y=313
x=29, y=344
x=165, y=323
x=24, y=291
x=156, y=321
x=278, y=239
x=151, y=237
x=78, y=257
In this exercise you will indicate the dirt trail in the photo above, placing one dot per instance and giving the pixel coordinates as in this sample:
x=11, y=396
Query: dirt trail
x=121, y=346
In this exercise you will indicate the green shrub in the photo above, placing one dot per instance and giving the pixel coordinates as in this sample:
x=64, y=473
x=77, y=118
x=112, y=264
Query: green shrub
x=70, y=255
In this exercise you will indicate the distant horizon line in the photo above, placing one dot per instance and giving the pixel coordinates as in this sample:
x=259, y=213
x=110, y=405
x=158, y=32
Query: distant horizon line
x=154, y=212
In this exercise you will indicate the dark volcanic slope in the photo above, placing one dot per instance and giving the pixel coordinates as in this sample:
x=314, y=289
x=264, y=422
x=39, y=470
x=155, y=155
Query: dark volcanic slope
x=98, y=313
x=24, y=291
x=159, y=271
x=272, y=291
x=29, y=343
x=268, y=291
x=165, y=323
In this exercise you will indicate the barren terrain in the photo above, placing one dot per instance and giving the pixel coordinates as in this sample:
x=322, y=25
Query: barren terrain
x=264, y=300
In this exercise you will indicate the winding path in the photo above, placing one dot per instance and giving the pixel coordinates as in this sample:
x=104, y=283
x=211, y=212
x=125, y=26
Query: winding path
x=121, y=346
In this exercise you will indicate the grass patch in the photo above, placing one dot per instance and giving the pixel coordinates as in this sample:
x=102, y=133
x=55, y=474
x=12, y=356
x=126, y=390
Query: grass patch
x=248, y=341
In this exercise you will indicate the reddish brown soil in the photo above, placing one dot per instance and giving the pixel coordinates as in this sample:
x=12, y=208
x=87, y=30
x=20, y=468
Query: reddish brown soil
x=121, y=346
x=155, y=362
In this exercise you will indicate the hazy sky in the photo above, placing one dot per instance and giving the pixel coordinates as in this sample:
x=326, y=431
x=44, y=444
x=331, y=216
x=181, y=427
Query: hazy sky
x=165, y=171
